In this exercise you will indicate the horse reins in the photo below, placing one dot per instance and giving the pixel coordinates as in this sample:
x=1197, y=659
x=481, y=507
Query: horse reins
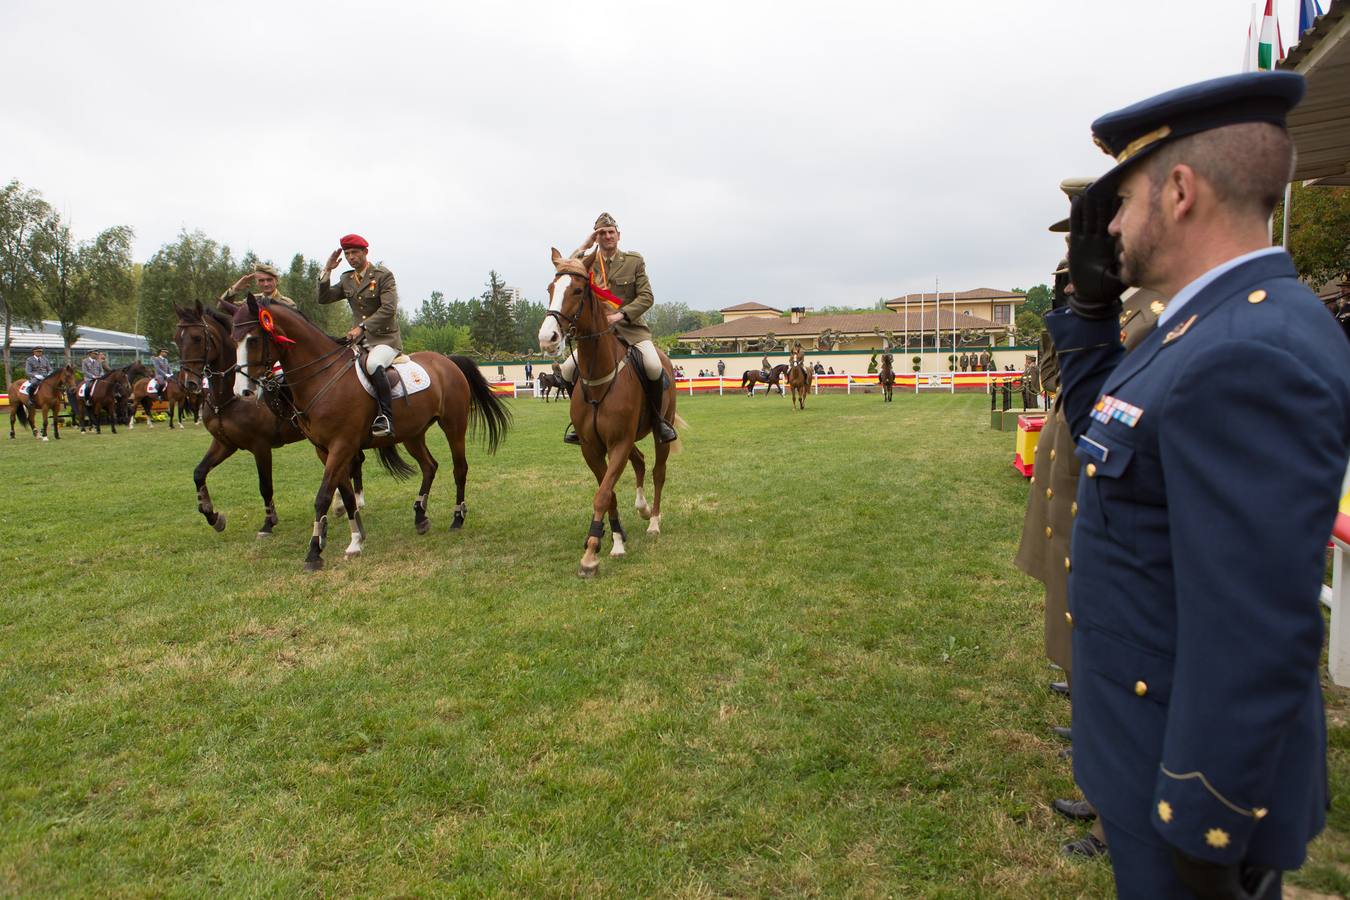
x=271, y=384
x=571, y=334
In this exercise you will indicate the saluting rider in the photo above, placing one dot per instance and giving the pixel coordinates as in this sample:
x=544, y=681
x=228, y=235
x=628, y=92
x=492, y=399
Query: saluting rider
x=622, y=274
x=264, y=277
x=370, y=291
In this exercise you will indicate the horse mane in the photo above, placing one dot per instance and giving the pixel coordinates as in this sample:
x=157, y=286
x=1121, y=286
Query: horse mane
x=268, y=304
x=220, y=317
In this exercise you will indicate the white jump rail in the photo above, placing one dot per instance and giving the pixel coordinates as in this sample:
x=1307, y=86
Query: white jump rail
x=1337, y=597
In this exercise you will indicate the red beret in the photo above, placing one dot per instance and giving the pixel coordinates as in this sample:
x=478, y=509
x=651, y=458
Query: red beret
x=353, y=240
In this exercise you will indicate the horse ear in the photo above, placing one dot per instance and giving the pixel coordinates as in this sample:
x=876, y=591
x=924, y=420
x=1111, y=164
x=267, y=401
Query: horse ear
x=557, y=257
x=252, y=304
x=227, y=307
x=197, y=308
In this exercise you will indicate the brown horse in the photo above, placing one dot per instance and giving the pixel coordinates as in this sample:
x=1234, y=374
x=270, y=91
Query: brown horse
x=752, y=377
x=174, y=394
x=549, y=382
x=48, y=398
x=208, y=357
x=609, y=407
x=799, y=381
x=886, y=377
x=322, y=393
x=107, y=395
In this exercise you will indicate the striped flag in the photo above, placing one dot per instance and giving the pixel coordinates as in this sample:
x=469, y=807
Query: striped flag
x=1308, y=11
x=1264, y=46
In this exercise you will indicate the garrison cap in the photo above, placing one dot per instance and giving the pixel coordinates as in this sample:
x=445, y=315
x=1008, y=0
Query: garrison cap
x=1072, y=187
x=266, y=269
x=605, y=220
x=1130, y=134
x=353, y=241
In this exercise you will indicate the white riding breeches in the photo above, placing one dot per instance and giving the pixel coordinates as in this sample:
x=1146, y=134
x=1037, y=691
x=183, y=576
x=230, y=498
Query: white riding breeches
x=379, y=357
x=651, y=362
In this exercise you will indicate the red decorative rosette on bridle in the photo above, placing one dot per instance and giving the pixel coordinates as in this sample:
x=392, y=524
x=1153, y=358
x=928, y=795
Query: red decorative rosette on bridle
x=269, y=325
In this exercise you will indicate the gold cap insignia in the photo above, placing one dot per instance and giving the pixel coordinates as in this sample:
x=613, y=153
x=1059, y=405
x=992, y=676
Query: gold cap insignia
x=1164, y=810
x=1216, y=838
x=1157, y=307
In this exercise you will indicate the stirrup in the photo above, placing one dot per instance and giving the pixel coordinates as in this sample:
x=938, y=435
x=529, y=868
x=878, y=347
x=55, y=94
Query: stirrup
x=381, y=427
x=664, y=432
x=570, y=436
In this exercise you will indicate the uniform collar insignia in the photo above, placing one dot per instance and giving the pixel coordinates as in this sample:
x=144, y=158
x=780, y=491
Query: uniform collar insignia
x=1180, y=329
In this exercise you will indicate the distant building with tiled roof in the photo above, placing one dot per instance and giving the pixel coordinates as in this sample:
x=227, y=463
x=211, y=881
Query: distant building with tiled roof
x=982, y=317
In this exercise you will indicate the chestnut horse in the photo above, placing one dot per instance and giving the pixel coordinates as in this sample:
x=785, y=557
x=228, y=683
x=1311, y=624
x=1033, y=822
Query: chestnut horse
x=752, y=377
x=886, y=377
x=609, y=407
x=799, y=380
x=208, y=357
x=48, y=398
x=174, y=394
x=106, y=396
x=322, y=394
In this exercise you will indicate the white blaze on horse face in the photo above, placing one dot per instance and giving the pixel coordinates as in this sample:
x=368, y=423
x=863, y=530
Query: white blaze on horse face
x=241, y=373
x=550, y=336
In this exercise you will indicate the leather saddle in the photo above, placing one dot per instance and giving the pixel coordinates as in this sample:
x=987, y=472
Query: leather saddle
x=390, y=371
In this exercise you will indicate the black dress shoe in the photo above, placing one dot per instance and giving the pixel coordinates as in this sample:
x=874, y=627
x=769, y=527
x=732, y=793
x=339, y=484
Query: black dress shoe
x=1078, y=810
x=1060, y=687
x=1062, y=732
x=1086, y=847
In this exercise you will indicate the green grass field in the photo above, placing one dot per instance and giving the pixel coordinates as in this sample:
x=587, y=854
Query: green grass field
x=824, y=678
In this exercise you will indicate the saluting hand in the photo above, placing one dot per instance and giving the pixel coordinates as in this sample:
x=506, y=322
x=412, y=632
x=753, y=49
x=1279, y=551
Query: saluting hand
x=246, y=279
x=1093, y=267
x=332, y=261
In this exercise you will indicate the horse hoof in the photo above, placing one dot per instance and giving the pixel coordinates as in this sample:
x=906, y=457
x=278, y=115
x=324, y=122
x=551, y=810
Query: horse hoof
x=424, y=526
x=654, y=527
x=314, y=565
x=264, y=534
x=219, y=523
x=644, y=512
x=351, y=554
x=616, y=553
x=588, y=571
x=44, y=439
x=457, y=524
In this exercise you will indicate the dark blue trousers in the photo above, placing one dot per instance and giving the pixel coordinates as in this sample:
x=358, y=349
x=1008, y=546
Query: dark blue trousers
x=1143, y=868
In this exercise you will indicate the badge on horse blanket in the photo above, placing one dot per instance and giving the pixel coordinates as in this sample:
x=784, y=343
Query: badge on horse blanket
x=411, y=379
x=23, y=388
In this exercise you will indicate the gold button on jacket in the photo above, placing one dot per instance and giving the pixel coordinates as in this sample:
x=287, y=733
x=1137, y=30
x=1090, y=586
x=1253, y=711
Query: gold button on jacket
x=1140, y=688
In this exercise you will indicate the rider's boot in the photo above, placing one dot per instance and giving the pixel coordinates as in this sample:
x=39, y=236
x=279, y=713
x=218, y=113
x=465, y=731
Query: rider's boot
x=570, y=436
x=655, y=390
x=383, y=426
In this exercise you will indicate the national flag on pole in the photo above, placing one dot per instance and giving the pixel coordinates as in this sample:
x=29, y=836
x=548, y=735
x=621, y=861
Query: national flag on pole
x=1264, y=45
x=1308, y=12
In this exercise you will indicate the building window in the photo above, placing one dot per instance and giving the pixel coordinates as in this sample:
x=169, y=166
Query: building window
x=1002, y=314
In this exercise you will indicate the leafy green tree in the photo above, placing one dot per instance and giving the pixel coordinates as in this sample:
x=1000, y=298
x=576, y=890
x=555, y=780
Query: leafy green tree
x=443, y=338
x=77, y=279
x=434, y=312
x=192, y=267
x=1029, y=322
x=529, y=316
x=1319, y=232
x=493, y=329
x=24, y=216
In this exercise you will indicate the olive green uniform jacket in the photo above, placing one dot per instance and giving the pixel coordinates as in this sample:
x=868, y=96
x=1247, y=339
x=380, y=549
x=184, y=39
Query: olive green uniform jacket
x=1051, y=506
x=627, y=273
x=374, y=302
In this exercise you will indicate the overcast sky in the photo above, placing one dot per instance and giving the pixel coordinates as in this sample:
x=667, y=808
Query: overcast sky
x=791, y=153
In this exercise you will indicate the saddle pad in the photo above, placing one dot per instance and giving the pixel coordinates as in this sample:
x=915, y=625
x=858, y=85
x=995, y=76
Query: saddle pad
x=84, y=389
x=151, y=387
x=23, y=388
x=412, y=378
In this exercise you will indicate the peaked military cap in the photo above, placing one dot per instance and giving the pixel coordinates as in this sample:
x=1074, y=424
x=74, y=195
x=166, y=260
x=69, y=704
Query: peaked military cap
x=605, y=220
x=1132, y=133
x=1072, y=187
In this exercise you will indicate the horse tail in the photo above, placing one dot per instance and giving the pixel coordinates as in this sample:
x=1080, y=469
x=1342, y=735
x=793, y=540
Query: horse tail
x=21, y=410
x=395, y=464
x=486, y=410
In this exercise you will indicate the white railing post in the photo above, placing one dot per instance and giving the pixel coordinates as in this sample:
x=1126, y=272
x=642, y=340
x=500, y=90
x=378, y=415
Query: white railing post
x=1338, y=598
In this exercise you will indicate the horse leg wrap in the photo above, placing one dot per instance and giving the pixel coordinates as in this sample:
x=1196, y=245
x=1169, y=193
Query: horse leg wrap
x=420, y=507
x=617, y=528
x=321, y=531
x=596, y=531
x=461, y=510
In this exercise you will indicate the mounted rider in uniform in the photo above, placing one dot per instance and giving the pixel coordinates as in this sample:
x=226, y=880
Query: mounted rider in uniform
x=370, y=291
x=93, y=370
x=163, y=371
x=624, y=274
x=264, y=277
x=37, y=367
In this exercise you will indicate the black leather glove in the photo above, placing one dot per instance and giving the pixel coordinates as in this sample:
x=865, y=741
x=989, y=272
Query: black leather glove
x=1211, y=881
x=1059, y=299
x=1093, y=267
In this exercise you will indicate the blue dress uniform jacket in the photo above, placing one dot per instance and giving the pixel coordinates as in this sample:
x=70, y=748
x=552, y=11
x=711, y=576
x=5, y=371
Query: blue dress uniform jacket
x=1213, y=457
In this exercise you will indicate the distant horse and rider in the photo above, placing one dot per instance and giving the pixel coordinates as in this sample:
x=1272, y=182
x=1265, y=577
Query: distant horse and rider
x=322, y=390
x=550, y=382
x=105, y=396
x=770, y=378
x=25, y=400
x=610, y=409
x=173, y=391
x=886, y=377
x=799, y=382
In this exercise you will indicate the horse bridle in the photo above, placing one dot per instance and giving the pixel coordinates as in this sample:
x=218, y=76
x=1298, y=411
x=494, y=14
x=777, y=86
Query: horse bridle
x=273, y=386
x=205, y=372
x=571, y=334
